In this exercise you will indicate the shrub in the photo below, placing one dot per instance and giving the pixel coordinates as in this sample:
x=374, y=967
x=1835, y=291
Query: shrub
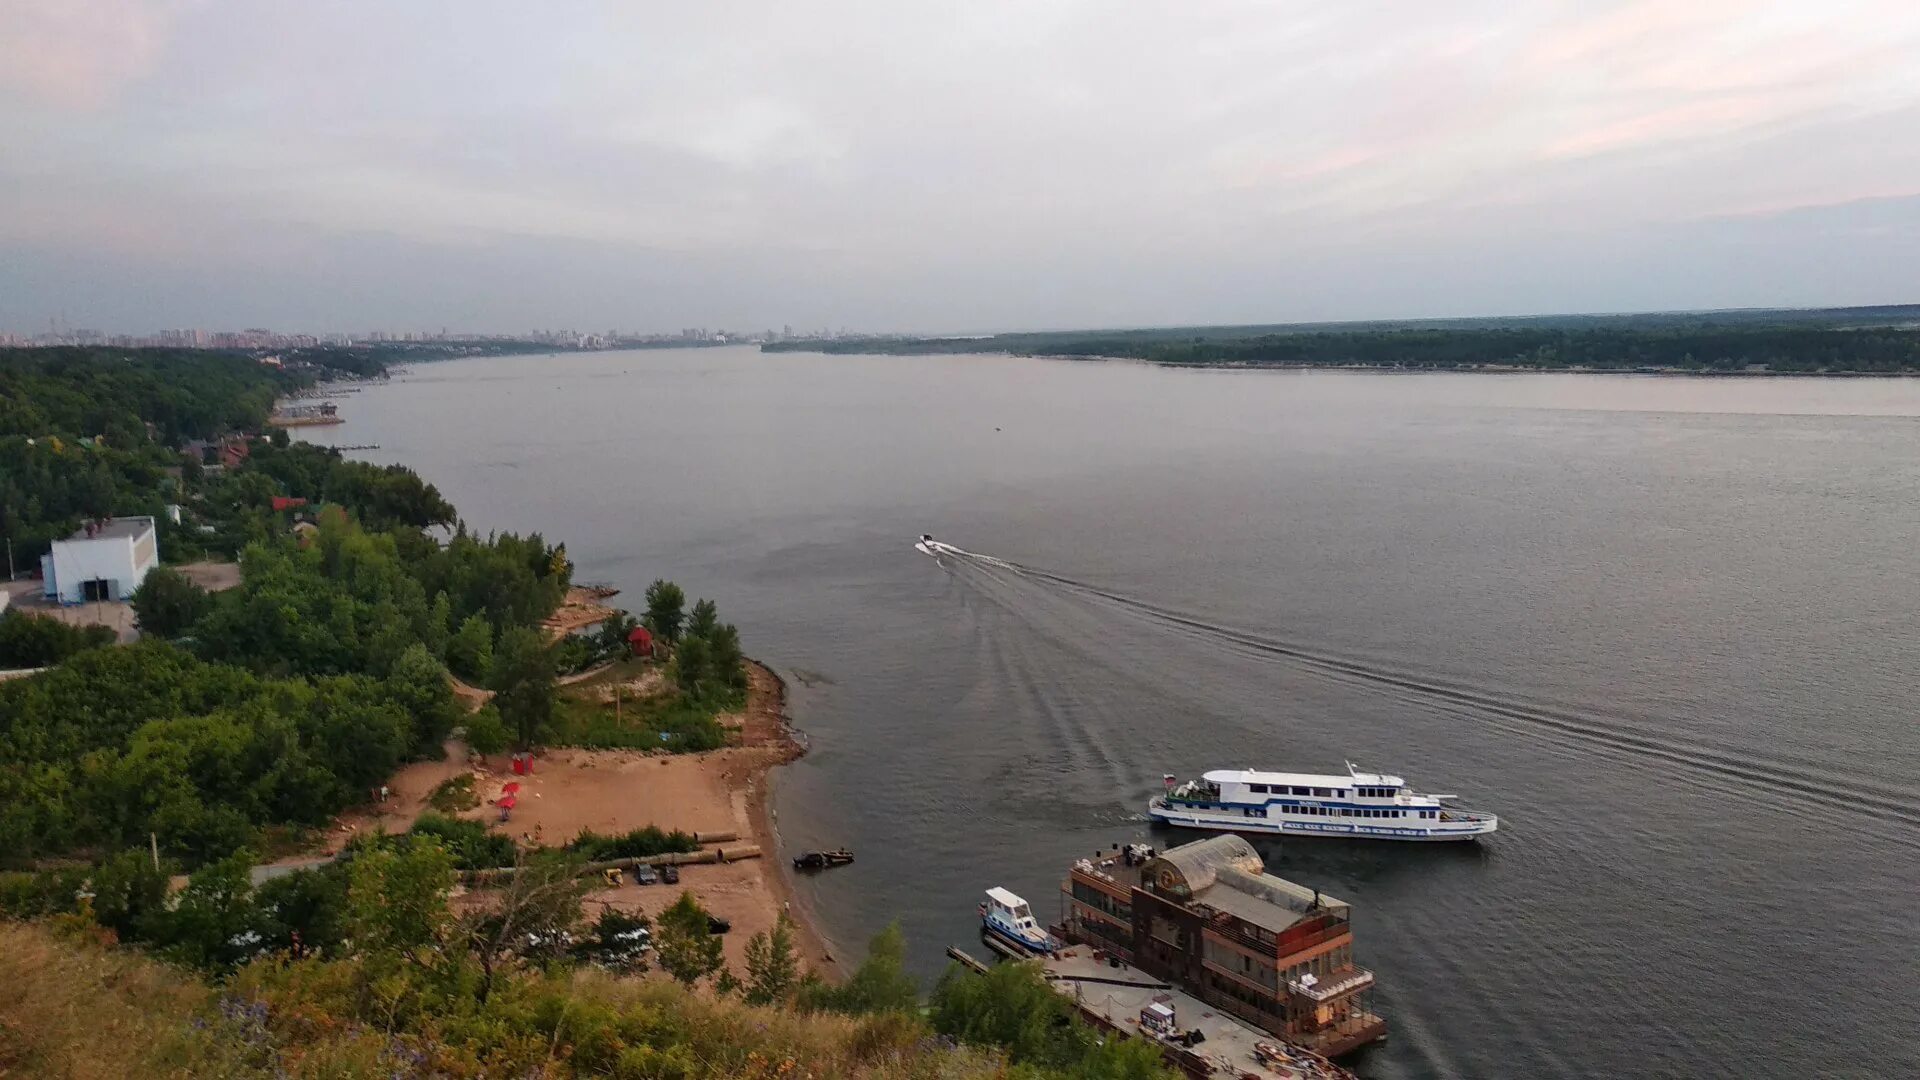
x=30, y=641
x=454, y=794
x=167, y=603
x=471, y=844
x=639, y=843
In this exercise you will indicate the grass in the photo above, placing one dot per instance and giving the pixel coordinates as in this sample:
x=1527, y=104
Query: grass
x=74, y=1007
x=454, y=795
x=662, y=720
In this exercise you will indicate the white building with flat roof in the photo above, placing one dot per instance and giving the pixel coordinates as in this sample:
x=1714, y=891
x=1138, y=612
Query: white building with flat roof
x=104, y=560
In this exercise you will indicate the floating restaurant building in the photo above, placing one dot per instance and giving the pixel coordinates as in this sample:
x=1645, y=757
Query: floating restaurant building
x=1208, y=918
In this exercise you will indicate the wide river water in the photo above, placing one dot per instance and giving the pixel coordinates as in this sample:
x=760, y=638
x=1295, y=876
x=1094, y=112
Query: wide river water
x=1667, y=628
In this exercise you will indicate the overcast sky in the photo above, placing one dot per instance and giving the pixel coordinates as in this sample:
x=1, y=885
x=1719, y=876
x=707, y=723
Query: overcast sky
x=946, y=166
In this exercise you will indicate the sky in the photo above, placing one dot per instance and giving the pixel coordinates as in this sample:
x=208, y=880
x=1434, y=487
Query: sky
x=943, y=167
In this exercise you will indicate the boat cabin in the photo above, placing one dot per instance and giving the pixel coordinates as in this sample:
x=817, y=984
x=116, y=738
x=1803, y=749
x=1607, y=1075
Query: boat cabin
x=1355, y=795
x=1010, y=909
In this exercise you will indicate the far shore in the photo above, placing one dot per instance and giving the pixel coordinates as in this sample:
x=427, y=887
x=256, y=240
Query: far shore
x=1477, y=369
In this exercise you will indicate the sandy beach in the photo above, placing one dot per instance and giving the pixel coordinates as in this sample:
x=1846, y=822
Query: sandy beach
x=612, y=791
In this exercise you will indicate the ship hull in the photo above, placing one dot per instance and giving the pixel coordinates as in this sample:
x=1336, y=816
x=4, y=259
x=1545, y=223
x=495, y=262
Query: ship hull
x=1007, y=937
x=1223, y=821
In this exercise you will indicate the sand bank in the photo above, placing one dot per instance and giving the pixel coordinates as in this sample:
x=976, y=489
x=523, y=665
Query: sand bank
x=612, y=791
x=724, y=790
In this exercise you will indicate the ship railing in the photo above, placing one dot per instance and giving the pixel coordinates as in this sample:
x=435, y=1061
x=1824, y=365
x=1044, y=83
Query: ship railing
x=1332, y=986
x=1460, y=814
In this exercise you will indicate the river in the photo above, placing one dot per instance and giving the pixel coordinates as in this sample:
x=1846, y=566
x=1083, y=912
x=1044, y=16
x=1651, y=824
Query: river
x=1665, y=627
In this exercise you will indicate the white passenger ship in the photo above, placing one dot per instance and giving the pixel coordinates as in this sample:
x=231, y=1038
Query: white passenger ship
x=1369, y=805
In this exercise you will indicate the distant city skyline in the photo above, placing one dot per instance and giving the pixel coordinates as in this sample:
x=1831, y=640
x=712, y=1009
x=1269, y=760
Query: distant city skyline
x=266, y=338
x=947, y=168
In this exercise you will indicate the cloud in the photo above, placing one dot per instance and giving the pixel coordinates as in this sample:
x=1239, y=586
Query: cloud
x=959, y=166
x=79, y=54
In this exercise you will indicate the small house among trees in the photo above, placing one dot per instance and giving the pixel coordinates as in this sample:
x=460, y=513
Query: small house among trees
x=640, y=642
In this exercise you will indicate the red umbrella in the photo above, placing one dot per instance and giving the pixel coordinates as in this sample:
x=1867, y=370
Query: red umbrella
x=508, y=802
x=510, y=788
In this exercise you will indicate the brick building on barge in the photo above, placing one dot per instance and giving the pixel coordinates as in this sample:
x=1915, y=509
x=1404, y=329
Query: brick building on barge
x=1208, y=918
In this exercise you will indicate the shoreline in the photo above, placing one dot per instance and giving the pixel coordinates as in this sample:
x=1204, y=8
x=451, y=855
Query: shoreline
x=1472, y=369
x=814, y=948
x=613, y=791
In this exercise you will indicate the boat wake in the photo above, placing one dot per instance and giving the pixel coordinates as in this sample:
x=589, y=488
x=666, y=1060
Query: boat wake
x=1615, y=736
x=927, y=545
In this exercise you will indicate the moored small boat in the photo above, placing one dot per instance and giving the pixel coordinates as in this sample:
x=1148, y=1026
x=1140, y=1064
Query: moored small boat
x=1371, y=806
x=820, y=860
x=1006, y=917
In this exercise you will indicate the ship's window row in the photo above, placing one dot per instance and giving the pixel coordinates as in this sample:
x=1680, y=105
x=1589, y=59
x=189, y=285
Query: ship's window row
x=1363, y=812
x=1283, y=789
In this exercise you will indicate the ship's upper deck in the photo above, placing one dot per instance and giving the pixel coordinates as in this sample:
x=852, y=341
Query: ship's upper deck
x=1310, y=780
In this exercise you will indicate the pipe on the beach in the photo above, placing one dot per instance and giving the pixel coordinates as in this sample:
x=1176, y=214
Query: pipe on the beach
x=705, y=856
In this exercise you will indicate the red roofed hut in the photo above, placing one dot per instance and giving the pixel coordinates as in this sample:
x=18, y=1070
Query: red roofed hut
x=640, y=642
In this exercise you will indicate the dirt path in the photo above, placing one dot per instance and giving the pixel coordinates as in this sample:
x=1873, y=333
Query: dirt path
x=470, y=695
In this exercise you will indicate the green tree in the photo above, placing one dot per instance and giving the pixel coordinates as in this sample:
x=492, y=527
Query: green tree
x=685, y=943
x=418, y=683
x=666, y=610
x=39, y=641
x=214, y=923
x=532, y=916
x=880, y=984
x=470, y=650
x=611, y=640
x=772, y=966
x=129, y=892
x=397, y=901
x=304, y=912
x=616, y=940
x=439, y=628
x=705, y=618
x=523, y=685
x=726, y=663
x=1013, y=1007
x=692, y=666
x=167, y=604
x=486, y=732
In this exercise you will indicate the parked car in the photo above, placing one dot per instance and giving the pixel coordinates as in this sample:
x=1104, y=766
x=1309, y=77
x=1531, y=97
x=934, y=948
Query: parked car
x=670, y=875
x=718, y=925
x=644, y=875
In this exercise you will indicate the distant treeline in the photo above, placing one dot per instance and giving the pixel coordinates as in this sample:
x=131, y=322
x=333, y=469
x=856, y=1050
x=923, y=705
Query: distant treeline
x=1850, y=341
